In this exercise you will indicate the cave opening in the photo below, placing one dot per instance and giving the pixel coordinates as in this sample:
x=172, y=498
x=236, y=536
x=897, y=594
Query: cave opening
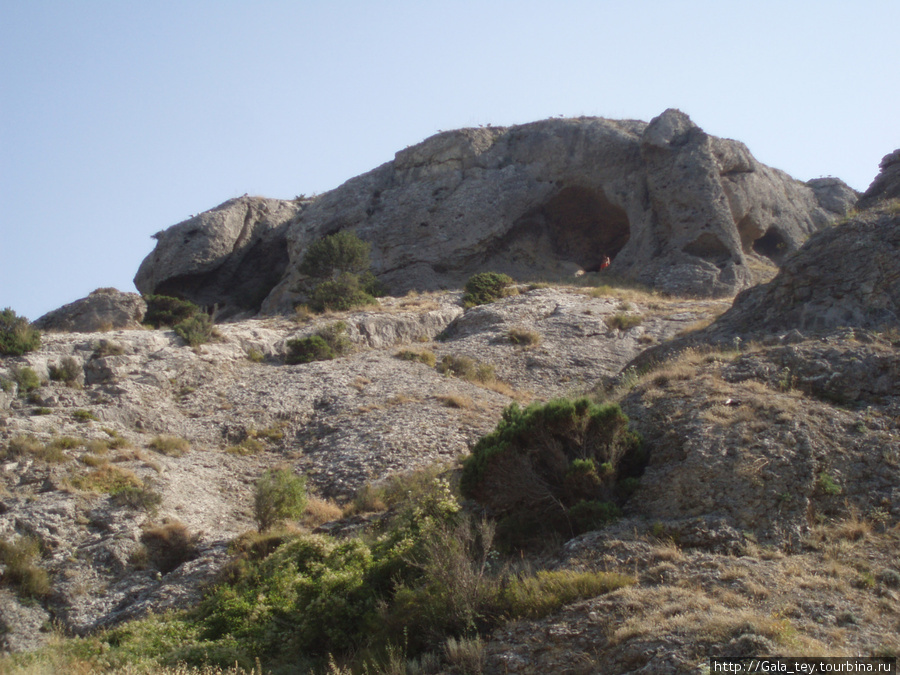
x=583, y=226
x=772, y=245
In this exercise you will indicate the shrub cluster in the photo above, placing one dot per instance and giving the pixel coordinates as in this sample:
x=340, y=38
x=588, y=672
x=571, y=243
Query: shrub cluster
x=21, y=573
x=558, y=465
x=484, y=288
x=27, y=379
x=17, y=336
x=164, y=311
x=280, y=495
x=189, y=322
x=338, y=269
x=68, y=370
x=326, y=344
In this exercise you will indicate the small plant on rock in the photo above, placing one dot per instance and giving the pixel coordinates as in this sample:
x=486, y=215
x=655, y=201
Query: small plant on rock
x=68, y=370
x=164, y=310
x=484, y=288
x=20, y=572
x=27, y=379
x=328, y=343
x=196, y=330
x=17, y=336
x=279, y=495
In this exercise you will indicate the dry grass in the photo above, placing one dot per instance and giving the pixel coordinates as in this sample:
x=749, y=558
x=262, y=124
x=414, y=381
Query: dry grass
x=402, y=399
x=320, y=511
x=456, y=401
x=171, y=446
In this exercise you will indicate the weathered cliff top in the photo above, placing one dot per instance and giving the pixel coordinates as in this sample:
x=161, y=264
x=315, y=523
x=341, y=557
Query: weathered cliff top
x=673, y=207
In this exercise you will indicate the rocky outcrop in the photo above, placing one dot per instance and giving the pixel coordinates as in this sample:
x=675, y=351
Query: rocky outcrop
x=671, y=206
x=229, y=257
x=104, y=309
x=848, y=275
x=886, y=185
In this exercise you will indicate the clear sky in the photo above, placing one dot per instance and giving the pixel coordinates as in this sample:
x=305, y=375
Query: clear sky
x=119, y=118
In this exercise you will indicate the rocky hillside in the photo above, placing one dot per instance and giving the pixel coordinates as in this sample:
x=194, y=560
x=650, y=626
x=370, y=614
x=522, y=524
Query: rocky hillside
x=766, y=516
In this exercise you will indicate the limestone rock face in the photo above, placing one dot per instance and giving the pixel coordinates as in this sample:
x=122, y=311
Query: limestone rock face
x=843, y=276
x=104, y=309
x=672, y=207
x=886, y=185
x=230, y=256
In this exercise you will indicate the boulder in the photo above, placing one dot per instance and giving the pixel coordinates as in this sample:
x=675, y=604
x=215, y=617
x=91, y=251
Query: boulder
x=229, y=257
x=672, y=207
x=843, y=276
x=886, y=184
x=104, y=309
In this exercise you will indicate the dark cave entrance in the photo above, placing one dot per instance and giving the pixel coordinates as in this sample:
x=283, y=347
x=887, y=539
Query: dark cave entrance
x=583, y=226
x=772, y=245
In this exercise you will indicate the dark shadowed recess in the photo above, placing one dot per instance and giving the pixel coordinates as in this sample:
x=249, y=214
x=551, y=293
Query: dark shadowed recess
x=233, y=288
x=580, y=225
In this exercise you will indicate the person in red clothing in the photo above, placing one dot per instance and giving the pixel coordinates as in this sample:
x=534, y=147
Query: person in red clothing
x=605, y=263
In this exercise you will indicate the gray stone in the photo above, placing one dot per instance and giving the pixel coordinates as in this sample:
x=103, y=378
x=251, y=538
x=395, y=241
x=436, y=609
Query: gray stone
x=886, y=184
x=104, y=309
x=672, y=207
x=229, y=257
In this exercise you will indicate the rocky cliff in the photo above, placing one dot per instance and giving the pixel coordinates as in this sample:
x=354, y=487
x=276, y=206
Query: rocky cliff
x=673, y=207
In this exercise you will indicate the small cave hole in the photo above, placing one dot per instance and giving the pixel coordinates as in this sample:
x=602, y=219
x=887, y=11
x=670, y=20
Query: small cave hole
x=772, y=245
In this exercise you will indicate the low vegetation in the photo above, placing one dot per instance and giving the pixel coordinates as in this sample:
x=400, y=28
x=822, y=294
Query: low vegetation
x=484, y=288
x=17, y=335
x=563, y=465
x=279, y=495
x=68, y=370
x=328, y=343
x=172, y=446
x=338, y=270
x=20, y=573
x=165, y=311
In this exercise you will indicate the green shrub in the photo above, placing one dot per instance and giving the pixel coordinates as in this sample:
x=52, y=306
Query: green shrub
x=335, y=254
x=344, y=293
x=84, y=416
x=17, y=336
x=196, y=330
x=26, y=378
x=338, y=267
x=484, y=288
x=328, y=343
x=542, y=461
x=18, y=556
x=68, y=370
x=279, y=495
x=166, y=311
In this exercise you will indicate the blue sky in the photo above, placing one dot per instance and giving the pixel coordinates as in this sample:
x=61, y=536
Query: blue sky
x=121, y=118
